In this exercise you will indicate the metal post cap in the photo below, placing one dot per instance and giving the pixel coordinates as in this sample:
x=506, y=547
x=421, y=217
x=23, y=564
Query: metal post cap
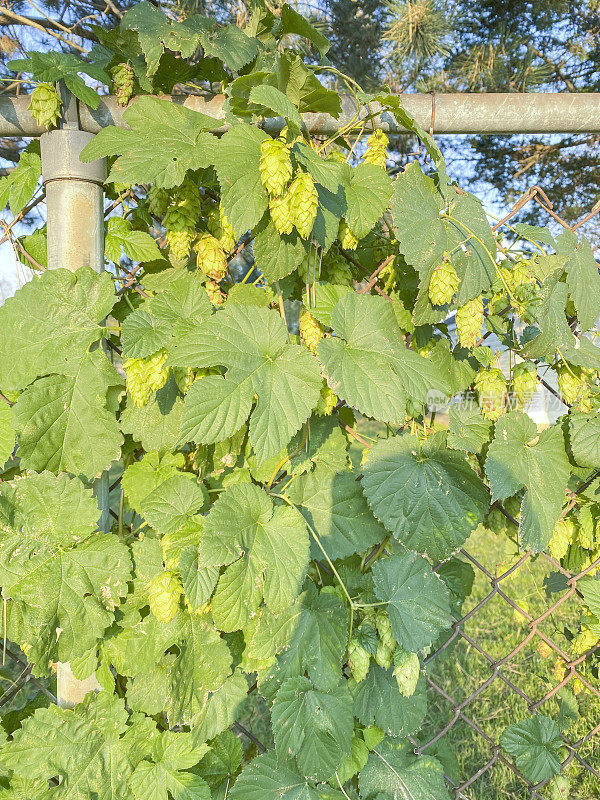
x=60, y=157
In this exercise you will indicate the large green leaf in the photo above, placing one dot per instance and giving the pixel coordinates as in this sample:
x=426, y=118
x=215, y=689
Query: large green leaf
x=64, y=579
x=163, y=141
x=333, y=504
x=156, y=32
x=377, y=700
x=393, y=772
x=520, y=459
x=252, y=343
x=266, y=778
x=174, y=502
x=467, y=429
x=313, y=726
x=427, y=495
x=18, y=187
x=243, y=196
x=418, y=601
x=534, y=744
x=155, y=425
x=265, y=549
x=137, y=245
x=52, y=67
x=50, y=323
x=368, y=191
x=276, y=255
x=583, y=278
x=164, y=773
x=367, y=362
x=63, y=424
x=7, y=433
x=584, y=438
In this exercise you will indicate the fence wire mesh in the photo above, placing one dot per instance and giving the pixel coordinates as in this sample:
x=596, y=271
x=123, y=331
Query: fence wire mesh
x=489, y=672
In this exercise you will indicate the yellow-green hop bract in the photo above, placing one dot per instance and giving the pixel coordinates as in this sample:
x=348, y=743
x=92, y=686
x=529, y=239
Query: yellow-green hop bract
x=386, y=644
x=164, y=593
x=491, y=393
x=347, y=239
x=145, y=376
x=443, y=283
x=376, y=152
x=311, y=330
x=326, y=402
x=44, y=105
x=406, y=671
x=335, y=269
x=275, y=166
x=219, y=226
x=303, y=202
x=123, y=79
x=280, y=209
x=524, y=381
x=562, y=537
x=469, y=322
x=358, y=660
x=181, y=219
x=210, y=257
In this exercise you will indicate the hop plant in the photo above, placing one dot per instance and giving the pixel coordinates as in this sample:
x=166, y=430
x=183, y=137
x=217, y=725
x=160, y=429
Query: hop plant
x=386, y=644
x=358, y=660
x=524, y=381
x=181, y=219
x=558, y=670
x=326, y=402
x=562, y=537
x=184, y=377
x=303, y=203
x=491, y=393
x=337, y=270
x=215, y=295
x=123, y=79
x=45, y=105
x=347, y=239
x=572, y=385
x=275, y=166
x=443, y=282
x=280, y=209
x=219, y=226
x=406, y=671
x=584, y=640
x=145, y=376
x=210, y=257
x=469, y=322
x=376, y=152
x=543, y=648
x=158, y=201
x=311, y=330
x=164, y=592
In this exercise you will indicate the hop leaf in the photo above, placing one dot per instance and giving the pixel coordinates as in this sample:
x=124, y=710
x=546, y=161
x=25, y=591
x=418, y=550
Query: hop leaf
x=123, y=79
x=311, y=331
x=164, y=592
x=275, y=166
x=210, y=256
x=45, y=105
x=491, y=393
x=145, y=376
x=443, y=283
x=303, y=201
x=469, y=322
x=376, y=152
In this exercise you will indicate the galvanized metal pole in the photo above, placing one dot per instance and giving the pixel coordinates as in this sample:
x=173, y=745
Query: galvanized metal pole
x=75, y=217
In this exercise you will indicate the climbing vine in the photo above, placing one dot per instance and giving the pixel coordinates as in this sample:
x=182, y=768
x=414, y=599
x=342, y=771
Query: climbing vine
x=266, y=292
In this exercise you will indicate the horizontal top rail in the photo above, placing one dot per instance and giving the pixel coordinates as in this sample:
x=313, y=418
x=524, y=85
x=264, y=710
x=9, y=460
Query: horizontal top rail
x=541, y=112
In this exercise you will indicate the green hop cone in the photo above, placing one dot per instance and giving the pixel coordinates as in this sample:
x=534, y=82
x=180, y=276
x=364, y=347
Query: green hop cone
x=386, y=644
x=560, y=788
x=215, y=295
x=145, y=376
x=376, y=152
x=184, y=377
x=210, y=257
x=275, y=166
x=337, y=270
x=311, y=331
x=584, y=641
x=469, y=322
x=524, y=382
x=158, y=201
x=491, y=393
x=303, y=202
x=358, y=660
x=123, y=79
x=44, y=105
x=562, y=537
x=181, y=219
x=164, y=592
x=280, y=209
x=406, y=671
x=571, y=384
x=347, y=239
x=219, y=226
x=326, y=402
x=443, y=283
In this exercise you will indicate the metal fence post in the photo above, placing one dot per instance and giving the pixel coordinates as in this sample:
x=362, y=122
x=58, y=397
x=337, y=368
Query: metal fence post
x=75, y=225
